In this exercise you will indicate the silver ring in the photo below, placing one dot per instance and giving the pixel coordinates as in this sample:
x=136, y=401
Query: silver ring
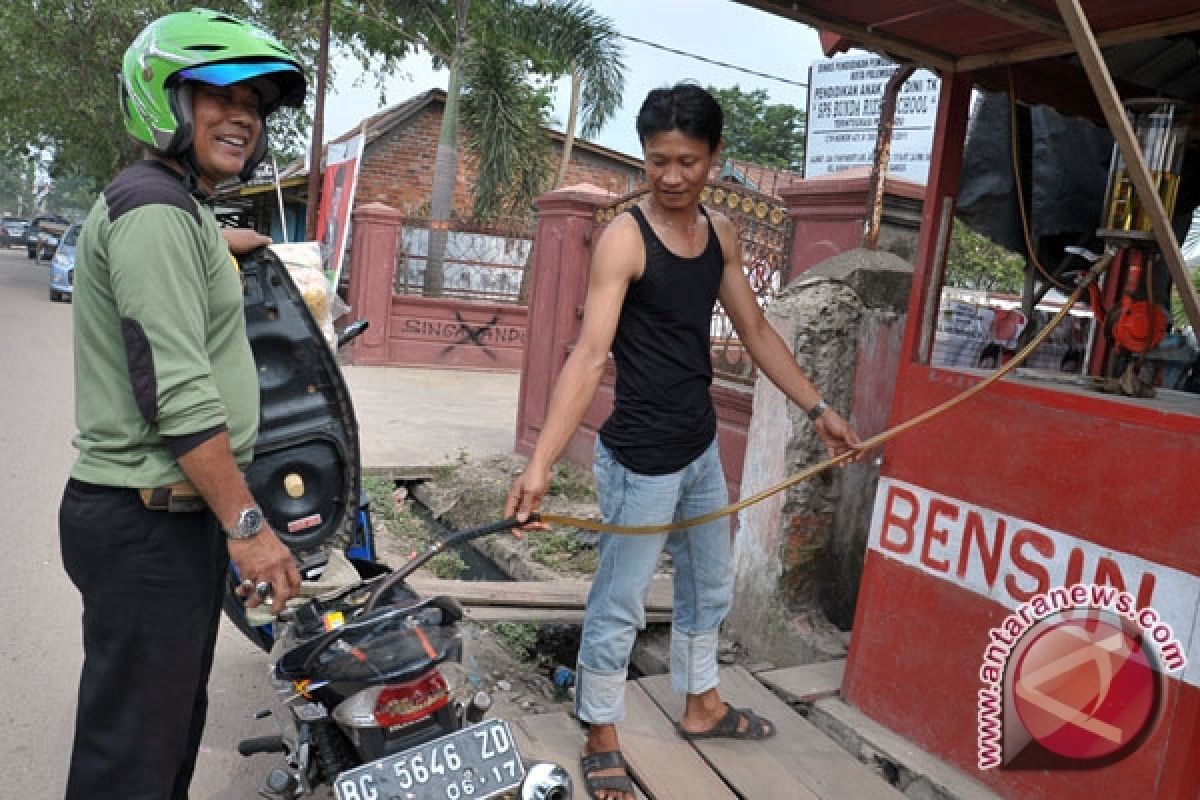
x=247, y=585
x=263, y=589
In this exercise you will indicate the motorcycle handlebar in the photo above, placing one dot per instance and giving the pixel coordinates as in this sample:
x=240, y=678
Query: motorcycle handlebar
x=261, y=744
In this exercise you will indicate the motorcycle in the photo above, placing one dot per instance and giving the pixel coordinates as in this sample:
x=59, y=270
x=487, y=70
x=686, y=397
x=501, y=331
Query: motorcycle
x=306, y=472
x=378, y=702
x=373, y=680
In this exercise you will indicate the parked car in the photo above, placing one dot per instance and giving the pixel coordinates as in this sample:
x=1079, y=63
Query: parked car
x=49, y=237
x=12, y=231
x=33, y=234
x=62, y=266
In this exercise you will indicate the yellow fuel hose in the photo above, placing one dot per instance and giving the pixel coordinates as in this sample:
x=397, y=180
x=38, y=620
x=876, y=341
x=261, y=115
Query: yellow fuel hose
x=869, y=444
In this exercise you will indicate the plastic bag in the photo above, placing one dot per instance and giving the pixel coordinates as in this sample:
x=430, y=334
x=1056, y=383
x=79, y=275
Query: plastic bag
x=303, y=261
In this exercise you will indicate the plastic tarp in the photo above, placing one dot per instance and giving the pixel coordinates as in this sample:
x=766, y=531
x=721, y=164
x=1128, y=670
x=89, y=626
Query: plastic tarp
x=1067, y=184
x=1066, y=161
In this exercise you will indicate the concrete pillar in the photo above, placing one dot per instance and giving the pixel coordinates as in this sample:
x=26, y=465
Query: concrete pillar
x=562, y=250
x=799, y=553
x=376, y=233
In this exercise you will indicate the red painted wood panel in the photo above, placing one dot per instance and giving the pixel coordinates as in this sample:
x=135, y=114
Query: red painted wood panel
x=1104, y=472
x=914, y=666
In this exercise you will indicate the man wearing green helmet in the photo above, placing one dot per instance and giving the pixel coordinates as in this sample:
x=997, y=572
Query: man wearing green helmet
x=167, y=407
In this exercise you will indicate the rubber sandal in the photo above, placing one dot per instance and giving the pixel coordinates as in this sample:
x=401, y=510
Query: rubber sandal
x=757, y=728
x=598, y=762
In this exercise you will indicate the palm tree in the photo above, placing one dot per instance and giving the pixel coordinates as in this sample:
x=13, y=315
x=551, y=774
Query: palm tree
x=491, y=48
x=588, y=49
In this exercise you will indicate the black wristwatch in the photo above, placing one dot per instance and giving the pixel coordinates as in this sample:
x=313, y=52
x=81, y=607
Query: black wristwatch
x=817, y=410
x=249, y=522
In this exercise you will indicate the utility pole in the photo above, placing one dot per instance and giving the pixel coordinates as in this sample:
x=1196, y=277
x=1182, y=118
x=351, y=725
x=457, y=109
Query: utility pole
x=315, y=150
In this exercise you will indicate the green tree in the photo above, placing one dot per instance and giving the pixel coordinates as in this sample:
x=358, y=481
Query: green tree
x=1178, y=314
x=18, y=183
x=491, y=49
x=59, y=92
x=760, y=132
x=71, y=193
x=586, y=46
x=976, y=262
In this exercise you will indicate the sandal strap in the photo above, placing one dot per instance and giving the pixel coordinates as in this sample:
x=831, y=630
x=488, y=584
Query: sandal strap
x=754, y=722
x=616, y=783
x=607, y=760
x=597, y=762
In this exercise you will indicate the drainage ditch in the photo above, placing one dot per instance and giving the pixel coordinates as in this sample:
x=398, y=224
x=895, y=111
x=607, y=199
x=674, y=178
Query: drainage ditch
x=556, y=645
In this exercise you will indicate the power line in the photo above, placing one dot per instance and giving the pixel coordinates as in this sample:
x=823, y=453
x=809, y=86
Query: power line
x=714, y=63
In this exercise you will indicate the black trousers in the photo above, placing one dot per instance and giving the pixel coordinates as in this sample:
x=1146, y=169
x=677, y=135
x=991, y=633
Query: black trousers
x=152, y=584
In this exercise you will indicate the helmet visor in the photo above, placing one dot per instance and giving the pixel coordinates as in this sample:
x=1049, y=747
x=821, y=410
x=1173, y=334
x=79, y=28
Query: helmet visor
x=270, y=79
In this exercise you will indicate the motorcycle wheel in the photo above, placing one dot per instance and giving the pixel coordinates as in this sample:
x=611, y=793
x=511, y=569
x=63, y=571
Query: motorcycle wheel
x=335, y=754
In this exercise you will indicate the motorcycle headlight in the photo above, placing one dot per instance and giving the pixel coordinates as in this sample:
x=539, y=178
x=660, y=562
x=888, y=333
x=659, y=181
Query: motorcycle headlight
x=546, y=781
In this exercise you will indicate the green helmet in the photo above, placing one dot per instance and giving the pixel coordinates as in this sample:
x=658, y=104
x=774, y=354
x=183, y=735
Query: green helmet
x=208, y=47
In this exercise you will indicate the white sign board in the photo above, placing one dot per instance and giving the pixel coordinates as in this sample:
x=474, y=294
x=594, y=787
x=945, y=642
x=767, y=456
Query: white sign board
x=845, y=95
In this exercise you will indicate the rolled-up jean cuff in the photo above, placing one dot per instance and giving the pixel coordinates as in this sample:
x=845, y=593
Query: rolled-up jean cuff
x=693, y=661
x=599, y=696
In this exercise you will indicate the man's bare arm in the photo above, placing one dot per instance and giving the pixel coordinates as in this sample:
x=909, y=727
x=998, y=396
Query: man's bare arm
x=766, y=347
x=243, y=240
x=211, y=468
x=616, y=262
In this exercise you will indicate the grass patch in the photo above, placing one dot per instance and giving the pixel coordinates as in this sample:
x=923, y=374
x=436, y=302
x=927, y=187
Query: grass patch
x=559, y=549
x=572, y=483
x=519, y=638
x=409, y=530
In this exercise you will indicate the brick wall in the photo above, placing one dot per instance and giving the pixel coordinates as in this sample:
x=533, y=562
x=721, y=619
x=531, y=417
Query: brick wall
x=397, y=169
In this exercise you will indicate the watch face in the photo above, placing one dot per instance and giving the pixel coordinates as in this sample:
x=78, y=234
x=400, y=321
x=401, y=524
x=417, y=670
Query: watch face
x=249, y=522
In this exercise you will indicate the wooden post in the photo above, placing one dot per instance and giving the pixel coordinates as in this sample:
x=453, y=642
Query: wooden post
x=883, y=153
x=316, y=147
x=1118, y=123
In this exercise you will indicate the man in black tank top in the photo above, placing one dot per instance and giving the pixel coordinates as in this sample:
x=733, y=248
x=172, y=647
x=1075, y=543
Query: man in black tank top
x=656, y=274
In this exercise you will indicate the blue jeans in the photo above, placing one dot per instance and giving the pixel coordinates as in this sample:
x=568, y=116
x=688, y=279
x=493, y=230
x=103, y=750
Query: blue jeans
x=616, y=604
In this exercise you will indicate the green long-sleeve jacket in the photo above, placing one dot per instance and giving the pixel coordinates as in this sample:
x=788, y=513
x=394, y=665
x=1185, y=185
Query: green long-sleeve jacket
x=161, y=356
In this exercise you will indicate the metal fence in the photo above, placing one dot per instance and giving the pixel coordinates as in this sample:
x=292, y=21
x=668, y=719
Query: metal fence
x=765, y=232
x=482, y=261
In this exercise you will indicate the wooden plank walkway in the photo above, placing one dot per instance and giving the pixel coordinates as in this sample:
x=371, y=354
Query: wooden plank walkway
x=560, y=601
x=561, y=594
x=799, y=763
x=554, y=737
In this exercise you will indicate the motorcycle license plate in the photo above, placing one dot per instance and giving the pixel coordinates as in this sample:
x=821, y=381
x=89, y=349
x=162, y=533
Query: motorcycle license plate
x=471, y=764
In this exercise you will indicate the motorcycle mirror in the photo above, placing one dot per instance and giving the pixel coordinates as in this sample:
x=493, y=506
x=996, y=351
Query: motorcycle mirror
x=351, y=332
x=546, y=780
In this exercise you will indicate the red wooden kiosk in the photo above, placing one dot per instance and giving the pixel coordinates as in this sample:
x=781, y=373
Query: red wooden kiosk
x=1033, y=485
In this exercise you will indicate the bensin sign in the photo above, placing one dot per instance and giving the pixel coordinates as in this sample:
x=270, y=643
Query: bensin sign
x=1012, y=561
x=845, y=96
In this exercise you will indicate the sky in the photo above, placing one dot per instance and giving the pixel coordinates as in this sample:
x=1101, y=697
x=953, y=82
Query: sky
x=719, y=30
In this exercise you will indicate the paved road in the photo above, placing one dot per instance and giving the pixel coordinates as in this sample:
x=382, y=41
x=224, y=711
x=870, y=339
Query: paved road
x=41, y=653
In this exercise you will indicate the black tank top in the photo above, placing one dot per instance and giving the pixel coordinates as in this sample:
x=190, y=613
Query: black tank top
x=663, y=416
